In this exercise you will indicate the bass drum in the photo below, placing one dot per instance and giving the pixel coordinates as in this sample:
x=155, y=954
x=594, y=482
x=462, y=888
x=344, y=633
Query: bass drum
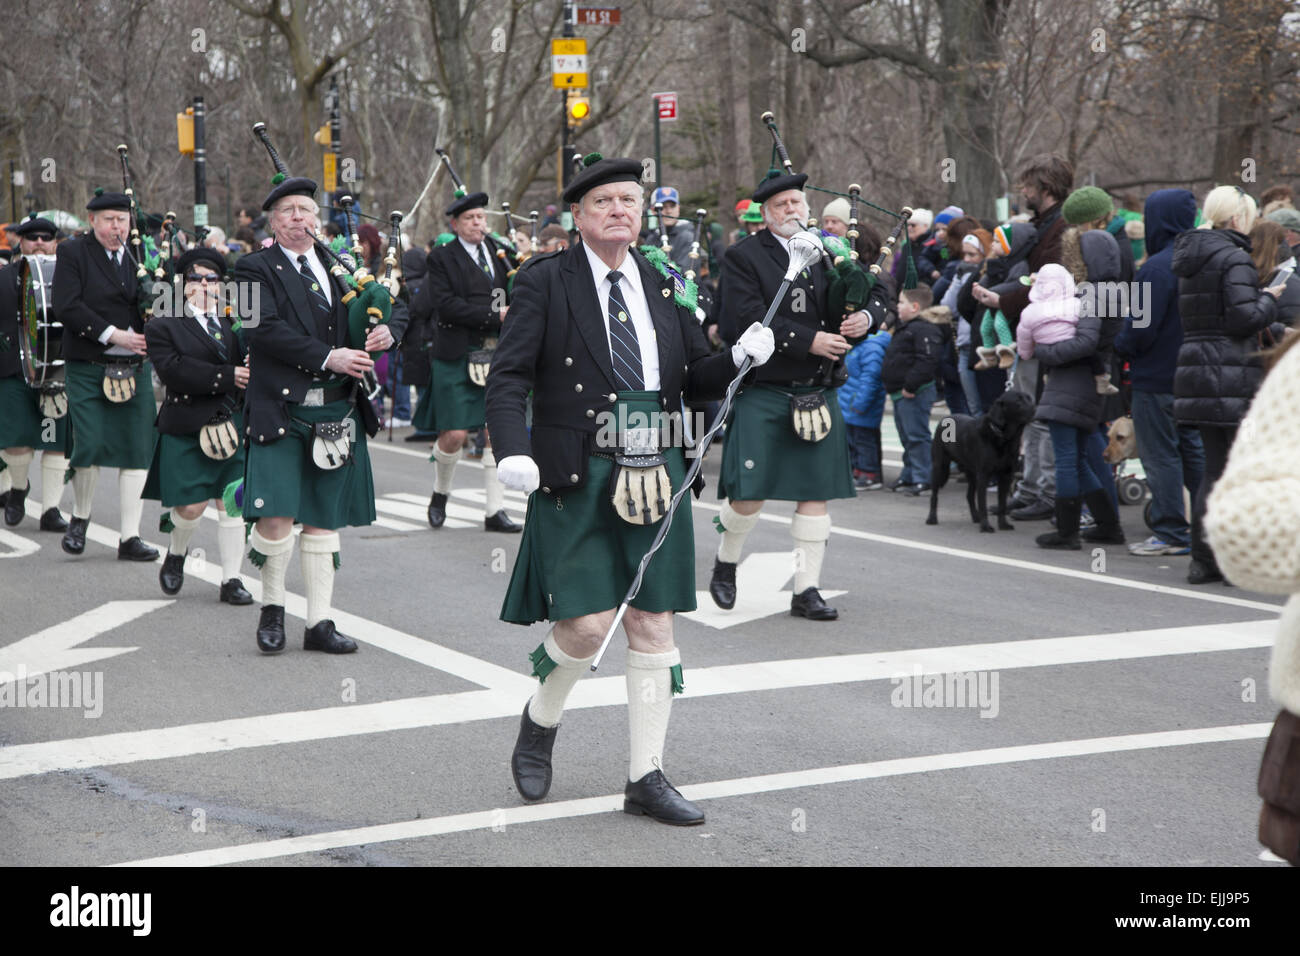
x=40, y=334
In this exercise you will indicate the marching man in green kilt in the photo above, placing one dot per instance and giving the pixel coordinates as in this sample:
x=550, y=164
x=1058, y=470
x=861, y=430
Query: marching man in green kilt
x=305, y=420
x=466, y=280
x=24, y=425
x=609, y=350
x=199, y=451
x=110, y=389
x=773, y=449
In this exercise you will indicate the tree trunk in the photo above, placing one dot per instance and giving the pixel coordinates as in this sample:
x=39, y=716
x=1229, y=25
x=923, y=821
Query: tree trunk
x=730, y=143
x=970, y=52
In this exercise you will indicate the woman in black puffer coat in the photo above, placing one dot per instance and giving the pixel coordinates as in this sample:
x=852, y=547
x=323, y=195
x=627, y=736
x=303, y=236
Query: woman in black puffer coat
x=1223, y=312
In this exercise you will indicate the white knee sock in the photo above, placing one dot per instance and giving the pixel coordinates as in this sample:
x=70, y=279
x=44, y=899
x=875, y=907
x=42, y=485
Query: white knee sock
x=735, y=527
x=649, y=702
x=547, y=704
x=810, y=533
x=83, y=490
x=6, y=481
x=274, y=559
x=444, y=466
x=182, y=531
x=317, y=556
x=230, y=545
x=493, y=496
x=18, y=465
x=130, y=482
x=53, y=466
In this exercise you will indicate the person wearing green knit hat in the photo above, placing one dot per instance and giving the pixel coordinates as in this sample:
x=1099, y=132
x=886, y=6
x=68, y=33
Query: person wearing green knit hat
x=1087, y=205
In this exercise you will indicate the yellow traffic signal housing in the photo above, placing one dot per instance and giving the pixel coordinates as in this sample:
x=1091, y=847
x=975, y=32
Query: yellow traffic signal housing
x=185, y=131
x=577, y=108
x=322, y=136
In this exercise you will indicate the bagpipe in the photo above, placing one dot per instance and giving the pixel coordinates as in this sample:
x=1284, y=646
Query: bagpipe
x=849, y=284
x=369, y=301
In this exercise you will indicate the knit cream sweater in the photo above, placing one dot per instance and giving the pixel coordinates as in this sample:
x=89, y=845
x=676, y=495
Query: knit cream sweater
x=1253, y=515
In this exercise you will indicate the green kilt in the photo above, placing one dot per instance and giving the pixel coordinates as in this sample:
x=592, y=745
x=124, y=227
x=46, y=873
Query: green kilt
x=21, y=423
x=451, y=402
x=106, y=433
x=764, y=460
x=579, y=557
x=182, y=475
x=281, y=480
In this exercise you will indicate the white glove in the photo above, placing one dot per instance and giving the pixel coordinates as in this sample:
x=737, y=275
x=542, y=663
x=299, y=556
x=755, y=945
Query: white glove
x=518, y=473
x=757, y=342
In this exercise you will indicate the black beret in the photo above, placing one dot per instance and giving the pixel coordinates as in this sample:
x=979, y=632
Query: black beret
x=35, y=223
x=293, y=186
x=601, y=172
x=104, y=200
x=466, y=203
x=201, y=255
x=778, y=184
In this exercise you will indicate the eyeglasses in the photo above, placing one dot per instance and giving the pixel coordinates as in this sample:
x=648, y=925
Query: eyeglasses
x=202, y=277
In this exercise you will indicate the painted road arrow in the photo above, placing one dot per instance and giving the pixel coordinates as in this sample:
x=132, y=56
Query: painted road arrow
x=55, y=648
x=759, y=582
x=15, y=545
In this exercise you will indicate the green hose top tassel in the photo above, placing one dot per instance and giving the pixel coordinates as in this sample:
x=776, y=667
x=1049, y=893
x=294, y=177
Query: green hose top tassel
x=909, y=274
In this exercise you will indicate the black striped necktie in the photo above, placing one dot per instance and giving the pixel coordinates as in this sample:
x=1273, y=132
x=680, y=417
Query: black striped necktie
x=483, y=262
x=214, y=330
x=624, y=346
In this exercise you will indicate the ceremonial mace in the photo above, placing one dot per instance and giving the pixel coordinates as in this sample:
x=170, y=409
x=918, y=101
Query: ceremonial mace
x=804, y=248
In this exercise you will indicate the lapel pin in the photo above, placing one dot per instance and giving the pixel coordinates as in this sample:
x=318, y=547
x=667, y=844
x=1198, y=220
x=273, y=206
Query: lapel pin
x=666, y=293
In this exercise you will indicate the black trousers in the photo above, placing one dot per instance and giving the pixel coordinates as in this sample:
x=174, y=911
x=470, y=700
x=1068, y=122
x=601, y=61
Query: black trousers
x=1218, y=442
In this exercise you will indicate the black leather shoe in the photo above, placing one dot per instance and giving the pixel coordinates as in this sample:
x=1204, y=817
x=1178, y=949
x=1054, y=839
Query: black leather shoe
x=14, y=505
x=323, y=637
x=653, y=796
x=530, y=764
x=172, y=575
x=437, y=510
x=501, y=522
x=233, y=592
x=134, y=549
x=1037, y=511
x=809, y=604
x=270, y=629
x=74, y=539
x=722, y=586
x=917, y=490
x=51, y=520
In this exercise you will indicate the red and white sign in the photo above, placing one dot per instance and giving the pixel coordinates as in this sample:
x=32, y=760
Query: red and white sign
x=667, y=106
x=597, y=16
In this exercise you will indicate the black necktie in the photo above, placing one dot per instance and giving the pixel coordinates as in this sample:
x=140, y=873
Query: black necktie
x=483, y=262
x=320, y=304
x=214, y=330
x=123, y=268
x=623, y=343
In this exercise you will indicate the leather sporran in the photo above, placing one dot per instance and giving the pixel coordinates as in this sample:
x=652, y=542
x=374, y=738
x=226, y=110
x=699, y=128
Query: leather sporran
x=119, y=381
x=54, y=402
x=639, y=488
x=809, y=416
x=331, y=445
x=480, y=360
x=218, y=439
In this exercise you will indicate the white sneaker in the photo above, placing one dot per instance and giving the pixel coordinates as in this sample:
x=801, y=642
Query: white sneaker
x=397, y=423
x=1153, y=546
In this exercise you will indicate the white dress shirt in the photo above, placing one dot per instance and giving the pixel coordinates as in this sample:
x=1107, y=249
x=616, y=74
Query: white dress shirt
x=637, y=307
x=472, y=249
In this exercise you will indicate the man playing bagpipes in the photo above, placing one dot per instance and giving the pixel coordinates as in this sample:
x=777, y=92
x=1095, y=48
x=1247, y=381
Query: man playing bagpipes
x=467, y=282
x=98, y=283
x=306, y=424
x=608, y=348
x=27, y=412
x=199, y=452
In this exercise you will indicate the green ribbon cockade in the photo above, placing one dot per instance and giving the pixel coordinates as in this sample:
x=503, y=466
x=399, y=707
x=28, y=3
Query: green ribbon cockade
x=685, y=291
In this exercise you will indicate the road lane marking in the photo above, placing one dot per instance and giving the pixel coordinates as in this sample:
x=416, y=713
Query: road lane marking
x=56, y=648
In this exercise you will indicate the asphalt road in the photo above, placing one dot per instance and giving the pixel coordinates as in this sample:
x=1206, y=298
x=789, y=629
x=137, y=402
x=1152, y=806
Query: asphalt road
x=1117, y=715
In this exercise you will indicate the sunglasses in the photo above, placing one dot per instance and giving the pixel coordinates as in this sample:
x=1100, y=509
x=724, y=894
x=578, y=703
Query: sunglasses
x=39, y=237
x=202, y=277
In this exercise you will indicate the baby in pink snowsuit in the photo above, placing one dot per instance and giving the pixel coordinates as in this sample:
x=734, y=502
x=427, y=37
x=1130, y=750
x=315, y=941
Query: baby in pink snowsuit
x=1053, y=316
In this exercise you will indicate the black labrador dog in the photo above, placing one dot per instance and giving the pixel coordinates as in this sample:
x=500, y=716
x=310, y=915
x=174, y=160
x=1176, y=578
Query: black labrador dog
x=984, y=448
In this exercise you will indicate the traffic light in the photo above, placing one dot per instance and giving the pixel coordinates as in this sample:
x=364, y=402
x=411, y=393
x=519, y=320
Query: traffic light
x=577, y=108
x=185, y=131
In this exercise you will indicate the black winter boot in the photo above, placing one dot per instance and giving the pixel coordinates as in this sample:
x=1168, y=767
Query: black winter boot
x=1066, y=535
x=1107, y=529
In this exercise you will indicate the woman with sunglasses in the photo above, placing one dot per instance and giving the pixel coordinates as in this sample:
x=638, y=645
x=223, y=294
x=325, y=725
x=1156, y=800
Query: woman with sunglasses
x=201, y=360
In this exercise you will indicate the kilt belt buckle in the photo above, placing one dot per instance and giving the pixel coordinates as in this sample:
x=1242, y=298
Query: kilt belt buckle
x=480, y=361
x=809, y=416
x=331, y=445
x=120, y=366
x=640, y=488
x=314, y=398
x=218, y=439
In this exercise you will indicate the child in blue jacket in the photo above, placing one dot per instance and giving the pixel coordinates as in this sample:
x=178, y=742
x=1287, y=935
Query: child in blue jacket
x=862, y=402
